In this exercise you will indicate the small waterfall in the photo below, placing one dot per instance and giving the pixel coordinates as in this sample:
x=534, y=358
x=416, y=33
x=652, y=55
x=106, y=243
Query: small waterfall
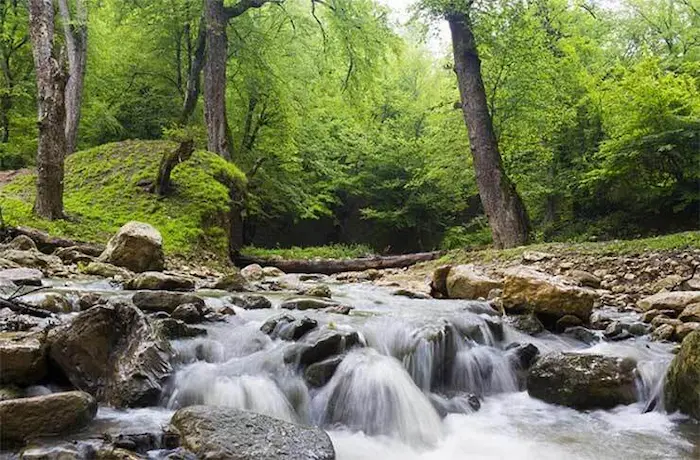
x=484, y=371
x=374, y=394
x=651, y=378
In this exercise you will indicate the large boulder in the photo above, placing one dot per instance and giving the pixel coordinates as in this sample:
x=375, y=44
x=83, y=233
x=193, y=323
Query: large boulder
x=157, y=281
x=48, y=415
x=22, y=357
x=22, y=276
x=226, y=433
x=468, y=282
x=549, y=296
x=682, y=390
x=113, y=353
x=583, y=381
x=136, y=246
x=676, y=301
x=165, y=300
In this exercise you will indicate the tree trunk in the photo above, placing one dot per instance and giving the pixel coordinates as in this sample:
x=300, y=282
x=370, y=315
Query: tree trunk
x=168, y=163
x=194, y=73
x=505, y=210
x=51, y=84
x=75, y=33
x=219, y=134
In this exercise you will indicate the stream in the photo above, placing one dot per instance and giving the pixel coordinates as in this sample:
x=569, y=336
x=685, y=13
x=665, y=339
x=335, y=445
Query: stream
x=381, y=403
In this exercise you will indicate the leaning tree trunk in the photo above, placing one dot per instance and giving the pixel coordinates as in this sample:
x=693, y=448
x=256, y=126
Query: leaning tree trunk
x=219, y=135
x=504, y=208
x=75, y=34
x=168, y=163
x=51, y=83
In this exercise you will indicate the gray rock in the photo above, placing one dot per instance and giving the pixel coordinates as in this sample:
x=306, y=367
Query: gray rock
x=523, y=355
x=320, y=290
x=137, y=247
x=583, y=381
x=307, y=303
x=251, y=302
x=188, y=313
x=322, y=344
x=585, y=278
x=567, y=321
x=157, y=281
x=528, y=323
x=22, y=243
x=89, y=300
x=166, y=301
x=682, y=390
x=582, y=334
x=22, y=276
x=253, y=272
x=411, y=294
x=233, y=282
x=53, y=302
x=287, y=327
x=272, y=272
x=226, y=433
x=22, y=357
x=173, y=329
x=114, y=353
x=318, y=374
x=49, y=415
x=73, y=255
x=33, y=259
x=106, y=270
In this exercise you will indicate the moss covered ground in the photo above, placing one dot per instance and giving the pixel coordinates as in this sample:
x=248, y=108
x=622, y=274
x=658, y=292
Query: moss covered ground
x=104, y=189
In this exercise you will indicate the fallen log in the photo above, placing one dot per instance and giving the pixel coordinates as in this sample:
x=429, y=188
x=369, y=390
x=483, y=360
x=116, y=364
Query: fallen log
x=332, y=266
x=25, y=309
x=48, y=244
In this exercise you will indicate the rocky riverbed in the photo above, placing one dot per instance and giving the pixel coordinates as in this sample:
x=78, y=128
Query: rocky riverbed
x=106, y=355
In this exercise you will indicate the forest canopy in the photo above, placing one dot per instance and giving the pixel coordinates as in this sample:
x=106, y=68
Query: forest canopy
x=347, y=121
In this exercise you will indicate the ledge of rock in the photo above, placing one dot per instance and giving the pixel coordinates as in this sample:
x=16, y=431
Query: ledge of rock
x=469, y=282
x=157, y=281
x=166, y=301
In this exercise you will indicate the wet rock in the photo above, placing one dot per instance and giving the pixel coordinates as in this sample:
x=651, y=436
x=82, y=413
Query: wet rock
x=664, y=332
x=226, y=433
x=233, y=282
x=272, y=272
x=22, y=243
x=188, y=313
x=286, y=327
x=253, y=272
x=307, y=303
x=60, y=451
x=73, y=255
x=567, y=321
x=106, y=270
x=318, y=374
x=55, y=303
x=22, y=276
x=174, y=329
x=676, y=301
x=534, y=291
x=33, y=259
x=469, y=282
x=582, y=334
x=682, y=390
x=53, y=414
x=460, y=404
x=312, y=277
x=339, y=309
x=583, y=381
x=411, y=294
x=320, y=290
x=13, y=322
x=22, y=357
x=157, y=281
x=89, y=300
x=523, y=355
x=528, y=323
x=166, y=301
x=683, y=330
x=114, y=353
x=584, y=278
x=137, y=247
x=690, y=314
x=251, y=302
x=320, y=345
x=600, y=319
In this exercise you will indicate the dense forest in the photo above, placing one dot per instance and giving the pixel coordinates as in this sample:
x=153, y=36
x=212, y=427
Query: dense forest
x=348, y=122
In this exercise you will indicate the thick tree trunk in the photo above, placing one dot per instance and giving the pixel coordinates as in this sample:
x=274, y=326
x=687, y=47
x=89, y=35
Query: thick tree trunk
x=194, y=74
x=218, y=132
x=168, y=163
x=51, y=84
x=75, y=33
x=504, y=208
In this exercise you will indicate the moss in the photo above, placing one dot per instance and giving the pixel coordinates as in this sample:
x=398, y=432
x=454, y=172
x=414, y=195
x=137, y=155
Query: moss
x=682, y=390
x=333, y=251
x=102, y=193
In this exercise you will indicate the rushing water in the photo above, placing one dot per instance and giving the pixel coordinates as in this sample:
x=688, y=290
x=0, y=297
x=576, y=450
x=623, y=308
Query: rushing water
x=410, y=392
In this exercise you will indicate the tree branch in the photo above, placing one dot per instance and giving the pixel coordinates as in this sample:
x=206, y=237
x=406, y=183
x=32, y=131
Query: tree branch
x=244, y=5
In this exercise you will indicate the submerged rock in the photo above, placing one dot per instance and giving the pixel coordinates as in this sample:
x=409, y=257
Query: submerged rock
x=227, y=433
x=166, y=301
x=137, y=247
x=468, y=282
x=157, y=281
x=583, y=381
x=682, y=390
x=114, y=353
x=22, y=357
x=48, y=415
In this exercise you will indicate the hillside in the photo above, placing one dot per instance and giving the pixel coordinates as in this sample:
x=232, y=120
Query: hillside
x=104, y=189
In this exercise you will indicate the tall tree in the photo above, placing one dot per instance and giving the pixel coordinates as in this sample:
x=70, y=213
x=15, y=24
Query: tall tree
x=76, y=38
x=504, y=208
x=51, y=85
x=13, y=38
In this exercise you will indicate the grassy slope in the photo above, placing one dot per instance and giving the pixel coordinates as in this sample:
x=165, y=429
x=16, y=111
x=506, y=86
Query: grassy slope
x=101, y=194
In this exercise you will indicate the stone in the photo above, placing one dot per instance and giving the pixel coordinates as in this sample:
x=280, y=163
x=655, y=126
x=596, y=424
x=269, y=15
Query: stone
x=582, y=334
x=664, y=332
x=531, y=290
x=8, y=392
x=523, y=355
x=137, y=247
x=73, y=255
x=469, y=282
x=22, y=243
x=113, y=353
x=319, y=290
x=583, y=381
x=683, y=330
x=33, y=259
x=106, y=270
x=411, y=294
x=233, y=282
x=339, y=309
x=22, y=276
x=320, y=373
x=661, y=319
x=188, y=313
x=253, y=272
x=438, y=283
x=53, y=414
x=53, y=302
x=667, y=283
x=307, y=303
x=648, y=316
x=584, y=278
x=286, y=327
x=60, y=451
x=272, y=272
x=157, y=281
x=174, y=329
x=536, y=256
x=567, y=321
x=676, y=301
x=528, y=323
x=251, y=302
x=166, y=301
x=322, y=344
x=218, y=433
x=22, y=357
x=690, y=314
x=89, y=300
x=682, y=389
x=693, y=284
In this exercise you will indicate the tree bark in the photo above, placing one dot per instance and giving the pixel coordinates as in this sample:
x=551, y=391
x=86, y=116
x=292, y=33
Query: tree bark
x=194, y=74
x=75, y=34
x=505, y=210
x=51, y=84
x=168, y=163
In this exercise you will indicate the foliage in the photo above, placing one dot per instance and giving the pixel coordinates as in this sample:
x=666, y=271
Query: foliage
x=333, y=251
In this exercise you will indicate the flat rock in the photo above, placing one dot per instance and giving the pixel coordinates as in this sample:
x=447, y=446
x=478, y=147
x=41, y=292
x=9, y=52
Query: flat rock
x=251, y=302
x=157, y=281
x=22, y=276
x=676, y=300
x=73, y=255
x=166, y=301
x=307, y=303
x=33, y=259
x=469, y=282
x=226, y=433
x=106, y=270
x=22, y=357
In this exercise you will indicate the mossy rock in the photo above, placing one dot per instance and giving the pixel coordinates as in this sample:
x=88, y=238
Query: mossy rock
x=682, y=390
